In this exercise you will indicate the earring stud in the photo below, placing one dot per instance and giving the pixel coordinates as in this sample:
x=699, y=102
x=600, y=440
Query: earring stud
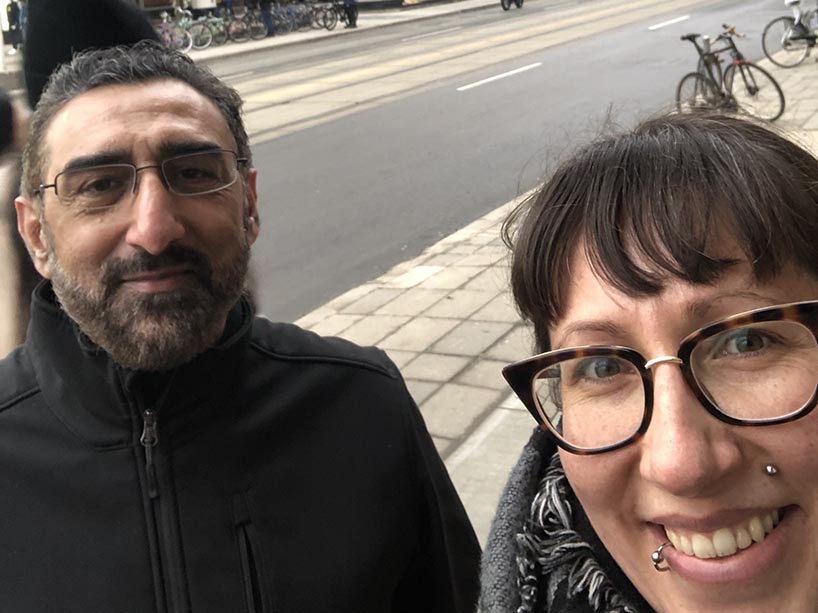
x=770, y=470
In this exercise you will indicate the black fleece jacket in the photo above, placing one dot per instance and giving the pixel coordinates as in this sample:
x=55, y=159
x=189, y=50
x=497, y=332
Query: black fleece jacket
x=277, y=472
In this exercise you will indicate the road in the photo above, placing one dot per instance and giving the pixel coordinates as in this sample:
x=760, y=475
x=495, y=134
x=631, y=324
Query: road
x=372, y=146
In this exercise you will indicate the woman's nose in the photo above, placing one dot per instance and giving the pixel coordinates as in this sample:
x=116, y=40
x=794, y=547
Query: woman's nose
x=685, y=451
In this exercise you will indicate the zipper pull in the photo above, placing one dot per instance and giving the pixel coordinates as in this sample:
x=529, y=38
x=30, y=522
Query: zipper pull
x=149, y=439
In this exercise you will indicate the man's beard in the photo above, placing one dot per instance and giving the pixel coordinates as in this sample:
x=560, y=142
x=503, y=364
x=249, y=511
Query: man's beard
x=154, y=331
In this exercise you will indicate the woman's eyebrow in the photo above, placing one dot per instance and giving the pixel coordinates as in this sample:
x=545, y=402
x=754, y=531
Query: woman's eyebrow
x=708, y=307
x=588, y=325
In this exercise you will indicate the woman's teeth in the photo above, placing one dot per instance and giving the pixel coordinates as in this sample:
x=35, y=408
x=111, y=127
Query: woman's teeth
x=724, y=541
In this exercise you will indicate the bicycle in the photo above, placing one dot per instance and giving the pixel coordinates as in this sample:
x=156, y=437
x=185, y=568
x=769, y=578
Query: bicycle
x=200, y=32
x=323, y=16
x=787, y=41
x=172, y=35
x=742, y=85
x=340, y=11
x=218, y=27
x=255, y=24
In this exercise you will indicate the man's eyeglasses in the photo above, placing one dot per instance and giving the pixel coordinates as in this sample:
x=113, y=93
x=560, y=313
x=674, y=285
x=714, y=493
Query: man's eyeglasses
x=752, y=369
x=102, y=187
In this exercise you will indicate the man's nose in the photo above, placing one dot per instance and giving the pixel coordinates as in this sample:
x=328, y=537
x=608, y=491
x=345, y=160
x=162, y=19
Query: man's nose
x=685, y=451
x=155, y=217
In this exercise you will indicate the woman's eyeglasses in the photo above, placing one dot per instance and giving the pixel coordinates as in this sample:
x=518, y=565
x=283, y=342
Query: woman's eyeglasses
x=752, y=369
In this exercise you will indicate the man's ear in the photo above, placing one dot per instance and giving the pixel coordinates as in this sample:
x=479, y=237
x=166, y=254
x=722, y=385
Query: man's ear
x=252, y=206
x=31, y=229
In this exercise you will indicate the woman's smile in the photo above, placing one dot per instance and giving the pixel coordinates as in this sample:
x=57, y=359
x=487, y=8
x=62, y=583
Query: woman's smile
x=745, y=551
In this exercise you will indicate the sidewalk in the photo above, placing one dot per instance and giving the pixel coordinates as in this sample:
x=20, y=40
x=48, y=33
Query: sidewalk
x=11, y=78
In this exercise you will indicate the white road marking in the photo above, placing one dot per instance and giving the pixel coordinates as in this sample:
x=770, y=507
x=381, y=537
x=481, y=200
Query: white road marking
x=419, y=36
x=499, y=76
x=669, y=22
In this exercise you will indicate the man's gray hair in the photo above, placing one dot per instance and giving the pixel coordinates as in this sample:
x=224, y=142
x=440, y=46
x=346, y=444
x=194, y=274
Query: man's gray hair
x=145, y=61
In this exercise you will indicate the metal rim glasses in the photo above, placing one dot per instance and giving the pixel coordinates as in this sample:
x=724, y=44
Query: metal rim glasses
x=101, y=187
x=752, y=369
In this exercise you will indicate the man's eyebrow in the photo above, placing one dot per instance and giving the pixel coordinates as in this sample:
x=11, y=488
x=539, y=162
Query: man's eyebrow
x=166, y=150
x=97, y=159
x=173, y=148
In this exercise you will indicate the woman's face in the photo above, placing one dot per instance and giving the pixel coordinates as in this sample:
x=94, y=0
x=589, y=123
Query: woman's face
x=691, y=473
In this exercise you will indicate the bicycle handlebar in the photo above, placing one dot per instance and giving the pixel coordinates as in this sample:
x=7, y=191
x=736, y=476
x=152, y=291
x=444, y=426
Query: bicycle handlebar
x=731, y=31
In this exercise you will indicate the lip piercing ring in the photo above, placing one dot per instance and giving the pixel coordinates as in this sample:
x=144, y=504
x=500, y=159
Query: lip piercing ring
x=770, y=470
x=657, y=558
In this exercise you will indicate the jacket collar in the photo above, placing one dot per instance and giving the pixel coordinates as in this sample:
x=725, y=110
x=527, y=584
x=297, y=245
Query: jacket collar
x=98, y=400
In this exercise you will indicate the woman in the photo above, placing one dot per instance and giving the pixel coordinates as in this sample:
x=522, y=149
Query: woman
x=676, y=463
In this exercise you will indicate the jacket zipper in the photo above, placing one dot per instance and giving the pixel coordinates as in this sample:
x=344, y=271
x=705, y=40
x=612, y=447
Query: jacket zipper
x=254, y=596
x=149, y=440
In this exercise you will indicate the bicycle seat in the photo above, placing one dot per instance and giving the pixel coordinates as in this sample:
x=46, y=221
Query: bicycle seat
x=792, y=2
x=690, y=37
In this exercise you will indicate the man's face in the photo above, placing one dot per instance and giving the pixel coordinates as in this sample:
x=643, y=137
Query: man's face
x=150, y=279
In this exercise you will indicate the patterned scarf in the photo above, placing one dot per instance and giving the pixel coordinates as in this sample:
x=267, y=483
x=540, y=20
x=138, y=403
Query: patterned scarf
x=542, y=555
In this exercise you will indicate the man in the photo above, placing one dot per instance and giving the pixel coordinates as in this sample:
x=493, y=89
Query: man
x=15, y=33
x=160, y=448
x=351, y=10
x=55, y=31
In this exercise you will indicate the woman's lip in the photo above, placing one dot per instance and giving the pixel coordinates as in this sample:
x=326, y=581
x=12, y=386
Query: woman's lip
x=712, y=522
x=745, y=565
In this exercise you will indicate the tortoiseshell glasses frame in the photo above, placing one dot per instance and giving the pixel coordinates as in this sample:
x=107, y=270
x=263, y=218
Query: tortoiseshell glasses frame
x=522, y=375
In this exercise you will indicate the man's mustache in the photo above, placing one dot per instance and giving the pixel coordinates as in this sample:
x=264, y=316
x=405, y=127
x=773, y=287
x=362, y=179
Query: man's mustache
x=197, y=263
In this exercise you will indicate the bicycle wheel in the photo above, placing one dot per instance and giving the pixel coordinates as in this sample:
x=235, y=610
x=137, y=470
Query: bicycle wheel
x=329, y=19
x=316, y=17
x=219, y=32
x=755, y=90
x=238, y=31
x=182, y=40
x=518, y=3
x=778, y=44
x=695, y=92
x=257, y=29
x=506, y=4
x=201, y=34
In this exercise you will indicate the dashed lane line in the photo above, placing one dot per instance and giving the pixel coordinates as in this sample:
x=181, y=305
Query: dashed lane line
x=499, y=76
x=669, y=22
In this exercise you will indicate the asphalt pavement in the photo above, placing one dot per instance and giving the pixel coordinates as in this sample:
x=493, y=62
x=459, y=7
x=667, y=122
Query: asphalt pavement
x=446, y=317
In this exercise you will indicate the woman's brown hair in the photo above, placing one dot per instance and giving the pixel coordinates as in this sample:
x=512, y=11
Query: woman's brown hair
x=652, y=203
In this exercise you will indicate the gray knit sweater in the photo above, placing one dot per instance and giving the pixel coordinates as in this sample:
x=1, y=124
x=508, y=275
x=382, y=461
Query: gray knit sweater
x=542, y=554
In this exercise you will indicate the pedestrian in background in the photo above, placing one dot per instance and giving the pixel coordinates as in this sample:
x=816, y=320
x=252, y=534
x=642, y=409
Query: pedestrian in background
x=351, y=10
x=23, y=20
x=267, y=16
x=161, y=447
x=15, y=32
x=225, y=9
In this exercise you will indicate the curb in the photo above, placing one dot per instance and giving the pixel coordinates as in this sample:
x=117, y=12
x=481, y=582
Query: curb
x=242, y=48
